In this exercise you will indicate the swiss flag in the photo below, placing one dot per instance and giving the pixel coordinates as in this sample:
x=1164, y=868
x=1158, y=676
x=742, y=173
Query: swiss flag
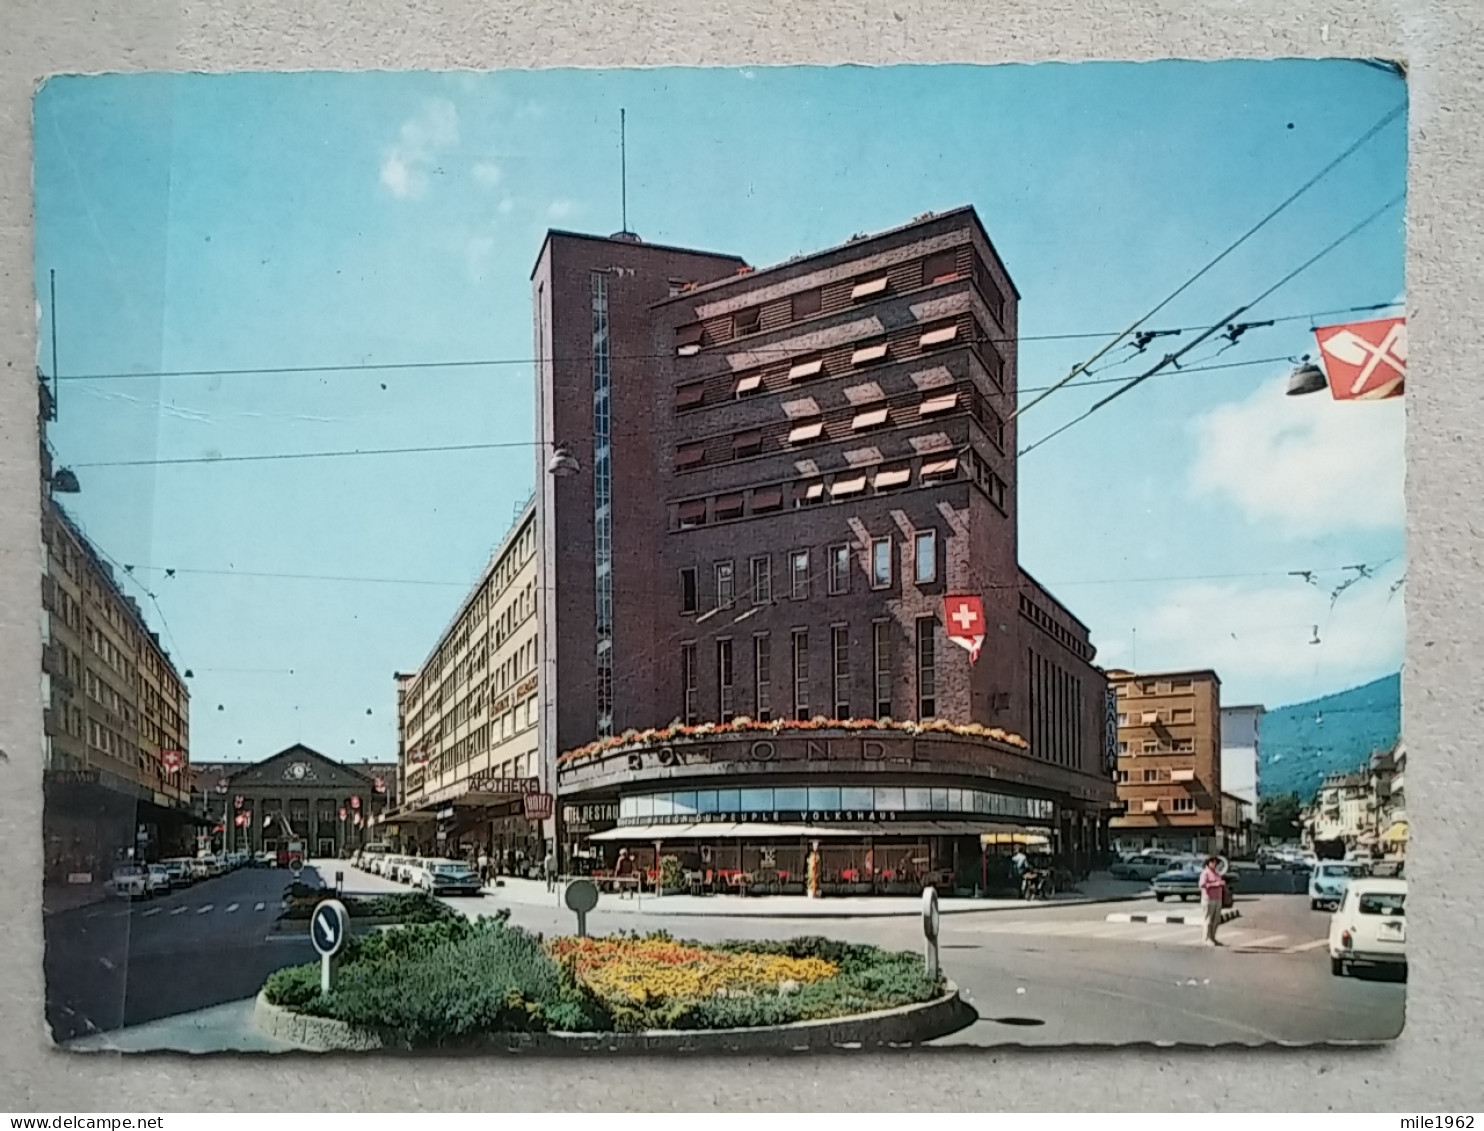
x=355, y=802
x=379, y=785
x=1365, y=361
x=171, y=760
x=963, y=616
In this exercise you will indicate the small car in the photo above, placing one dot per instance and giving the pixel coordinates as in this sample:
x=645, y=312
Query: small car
x=1370, y=926
x=200, y=870
x=130, y=881
x=157, y=880
x=180, y=873
x=1328, y=881
x=1184, y=879
x=1144, y=867
x=449, y=877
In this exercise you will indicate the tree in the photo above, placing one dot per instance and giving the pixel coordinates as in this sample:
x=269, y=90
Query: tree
x=1278, y=817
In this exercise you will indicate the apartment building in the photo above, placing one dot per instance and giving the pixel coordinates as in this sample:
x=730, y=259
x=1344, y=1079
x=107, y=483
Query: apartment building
x=116, y=721
x=467, y=718
x=777, y=479
x=1169, y=761
x=1240, y=757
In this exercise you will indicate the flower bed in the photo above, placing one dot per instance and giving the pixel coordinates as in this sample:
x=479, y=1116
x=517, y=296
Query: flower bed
x=452, y=983
x=744, y=725
x=397, y=907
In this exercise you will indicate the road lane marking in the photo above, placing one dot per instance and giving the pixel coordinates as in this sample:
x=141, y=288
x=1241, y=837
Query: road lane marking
x=180, y=911
x=205, y=908
x=259, y=907
x=232, y=907
x=1315, y=945
x=153, y=911
x=1270, y=941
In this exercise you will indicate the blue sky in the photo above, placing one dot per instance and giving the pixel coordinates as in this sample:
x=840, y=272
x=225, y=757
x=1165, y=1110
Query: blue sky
x=272, y=221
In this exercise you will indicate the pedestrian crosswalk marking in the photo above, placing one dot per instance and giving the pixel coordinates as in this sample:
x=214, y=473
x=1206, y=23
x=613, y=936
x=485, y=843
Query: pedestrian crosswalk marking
x=232, y=907
x=1271, y=940
x=180, y=911
x=259, y=907
x=1169, y=934
x=1310, y=945
x=153, y=911
x=203, y=910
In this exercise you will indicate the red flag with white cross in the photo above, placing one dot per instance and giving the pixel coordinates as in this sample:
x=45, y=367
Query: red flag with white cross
x=1365, y=361
x=963, y=616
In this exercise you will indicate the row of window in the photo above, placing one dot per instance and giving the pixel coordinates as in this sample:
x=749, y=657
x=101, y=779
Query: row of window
x=1047, y=624
x=832, y=799
x=931, y=270
x=420, y=777
x=506, y=712
x=876, y=558
x=846, y=485
x=846, y=701
x=1056, y=729
x=505, y=674
x=1154, y=776
x=1163, y=805
x=807, y=425
x=1154, y=746
x=1156, y=687
x=1157, y=715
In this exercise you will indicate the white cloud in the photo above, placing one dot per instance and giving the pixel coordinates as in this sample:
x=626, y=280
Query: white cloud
x=487, y=173
x=506, y=206
x=406, y=165
x=1258, y=639
x=1308, y=464
x=560, y=209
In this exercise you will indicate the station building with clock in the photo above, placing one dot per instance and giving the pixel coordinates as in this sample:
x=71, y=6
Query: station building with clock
x=297, y=794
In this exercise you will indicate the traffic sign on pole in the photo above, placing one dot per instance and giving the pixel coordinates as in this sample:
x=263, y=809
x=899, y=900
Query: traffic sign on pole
x=329, y=928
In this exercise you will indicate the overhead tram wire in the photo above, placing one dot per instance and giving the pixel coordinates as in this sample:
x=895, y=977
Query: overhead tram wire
x=1170, y=359
x=490, y=362
x=1252, y=231
x=428, y=449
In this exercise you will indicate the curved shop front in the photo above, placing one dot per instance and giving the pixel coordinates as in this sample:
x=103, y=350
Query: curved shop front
x=821, y=811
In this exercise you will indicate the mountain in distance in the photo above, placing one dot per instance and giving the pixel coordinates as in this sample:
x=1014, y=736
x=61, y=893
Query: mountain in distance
x=1301, y=744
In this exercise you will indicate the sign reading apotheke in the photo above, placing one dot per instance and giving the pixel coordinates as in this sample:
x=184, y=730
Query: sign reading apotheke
x=513, y=786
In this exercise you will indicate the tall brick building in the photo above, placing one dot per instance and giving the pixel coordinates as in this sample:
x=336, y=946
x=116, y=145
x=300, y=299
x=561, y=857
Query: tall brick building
x=757, y=489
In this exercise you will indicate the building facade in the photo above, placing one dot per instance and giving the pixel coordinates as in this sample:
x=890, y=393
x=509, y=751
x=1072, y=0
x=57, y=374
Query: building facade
x=1240, y=758
x=297, y=794
x=467, y=719
x=1344, y=809
x=786, y=479
x=116, y=718
x=1169, y=761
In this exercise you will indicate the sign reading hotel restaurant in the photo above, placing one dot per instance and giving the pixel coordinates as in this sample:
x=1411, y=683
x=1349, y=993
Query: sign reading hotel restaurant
x=590, y=818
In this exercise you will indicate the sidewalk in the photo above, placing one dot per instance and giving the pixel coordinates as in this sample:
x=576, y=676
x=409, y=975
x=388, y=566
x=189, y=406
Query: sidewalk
x=56, y=897
x=222, y=1028
x=1100, y=888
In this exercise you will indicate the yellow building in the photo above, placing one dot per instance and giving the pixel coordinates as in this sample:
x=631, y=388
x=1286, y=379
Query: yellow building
x=116, y=719
x=467, y=719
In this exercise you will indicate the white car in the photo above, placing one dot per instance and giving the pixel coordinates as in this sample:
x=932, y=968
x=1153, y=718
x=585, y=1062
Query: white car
x=1370, y=927
x=157, y=880
x=130, y=881
x=1145, y=866
x=1328, y=881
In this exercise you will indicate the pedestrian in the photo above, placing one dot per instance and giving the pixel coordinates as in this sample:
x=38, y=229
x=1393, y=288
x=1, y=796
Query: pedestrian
x=1213, y=899
x=548, y=866
x=484, y=866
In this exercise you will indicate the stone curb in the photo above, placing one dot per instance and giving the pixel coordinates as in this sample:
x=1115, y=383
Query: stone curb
x=903, y=1026
x=1189, y=920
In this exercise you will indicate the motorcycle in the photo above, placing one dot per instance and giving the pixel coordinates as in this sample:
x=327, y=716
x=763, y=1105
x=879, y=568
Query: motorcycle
x=1035, y=885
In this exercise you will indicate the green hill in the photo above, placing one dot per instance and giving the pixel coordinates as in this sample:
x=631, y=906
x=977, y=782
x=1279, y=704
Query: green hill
x=1300, y=744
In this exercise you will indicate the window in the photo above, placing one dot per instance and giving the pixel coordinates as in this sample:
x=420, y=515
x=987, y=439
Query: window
x=881, y=663
x=749, y=383
x=747, y=443
x=724, y=585
x=806, y=431
x=1184, y=745
x=870, y=418
x=880, y=563
x=692, y=513
x=847, y=485
x=690, y=455
x=761, y=571
x=869, y=288
x=807, y=494
x=805, y=368
x=688, y=339
x=934, y=405
x=689, y=597
x=1123, y=775
x=1151, y=775
x=839, y=569
x=1150, y=746
x=869, y=353
x=801, y=673
x=799, y=574
x=766, y=499
x=925, y=557
x=688, y=676
x=807, y=303
x=724, y=681
x=690, y=396
x=729, y=506
x=892, y=477
x=1182, y=715
x=1183, y=805
x=927, y=668
x=938, y=336
x=747, y=321
x=940, y=469
x=940, y=266
x=762, y=677
x=840, y=646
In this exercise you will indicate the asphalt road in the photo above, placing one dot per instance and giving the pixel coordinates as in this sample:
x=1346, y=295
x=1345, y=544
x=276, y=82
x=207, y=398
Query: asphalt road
x=1066, y=975
x=1047, y=976
x=123, y=963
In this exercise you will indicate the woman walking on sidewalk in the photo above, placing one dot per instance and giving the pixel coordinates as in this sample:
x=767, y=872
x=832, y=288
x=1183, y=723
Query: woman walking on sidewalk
x=1213, y=898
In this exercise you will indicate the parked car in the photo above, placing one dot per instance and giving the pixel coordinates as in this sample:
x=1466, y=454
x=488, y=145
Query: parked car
x=448, y=877
x=179, y=869
x=130, y=881
x=367, y=855
x=1183, y=879
x=1329, y=880
x=200, y=870
x=402, y=867
x=1143, y=867
x=1370, y=926
x=156, y=880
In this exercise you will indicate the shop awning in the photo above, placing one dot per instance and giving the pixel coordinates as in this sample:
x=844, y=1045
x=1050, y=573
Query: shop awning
x=721, y=830
x=1397, y=834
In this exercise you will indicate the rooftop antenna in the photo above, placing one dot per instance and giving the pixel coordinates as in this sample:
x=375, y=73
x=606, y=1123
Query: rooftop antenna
x=623, y=165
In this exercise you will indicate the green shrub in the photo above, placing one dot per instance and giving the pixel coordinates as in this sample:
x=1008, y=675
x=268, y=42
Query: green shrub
x=671, y=874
